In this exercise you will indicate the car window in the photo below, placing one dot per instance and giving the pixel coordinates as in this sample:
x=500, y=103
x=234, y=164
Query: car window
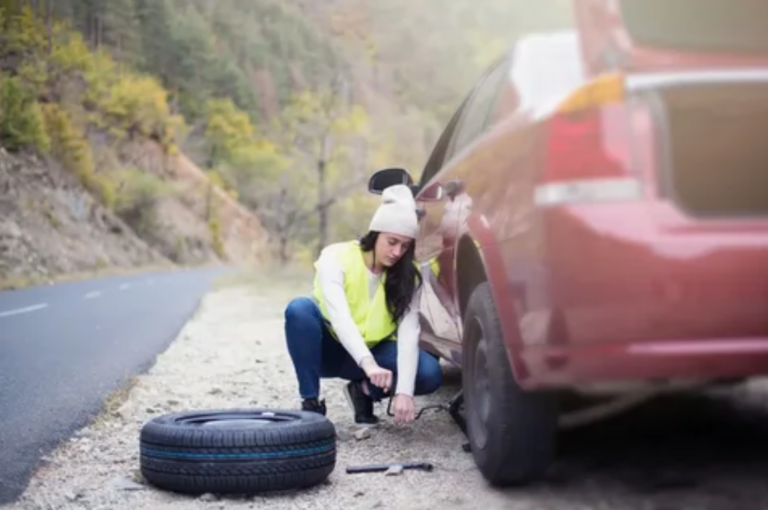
x=436, y=159
x=474, y=121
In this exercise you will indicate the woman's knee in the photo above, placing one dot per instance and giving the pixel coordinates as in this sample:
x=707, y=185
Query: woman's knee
x=303, y=322
x=429, y=376
x=301, y=309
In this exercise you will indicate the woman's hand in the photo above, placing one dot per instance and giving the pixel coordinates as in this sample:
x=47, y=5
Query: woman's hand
x=378, y=376
x=404, y=409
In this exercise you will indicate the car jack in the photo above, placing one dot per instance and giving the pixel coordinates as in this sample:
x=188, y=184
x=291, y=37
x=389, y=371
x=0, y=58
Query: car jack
x=453, y=407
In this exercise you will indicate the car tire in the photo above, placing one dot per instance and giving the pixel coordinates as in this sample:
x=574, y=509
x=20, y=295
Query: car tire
x=512, y=433
x=237, y=451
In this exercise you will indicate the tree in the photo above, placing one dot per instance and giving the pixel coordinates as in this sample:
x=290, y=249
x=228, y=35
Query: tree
x=120, y=30
x=326, y=128
x=315, y=158
x=284, y=204
x=228, y=130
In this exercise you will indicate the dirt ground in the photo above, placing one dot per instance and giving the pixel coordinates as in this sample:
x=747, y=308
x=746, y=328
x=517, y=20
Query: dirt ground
x=687, y=452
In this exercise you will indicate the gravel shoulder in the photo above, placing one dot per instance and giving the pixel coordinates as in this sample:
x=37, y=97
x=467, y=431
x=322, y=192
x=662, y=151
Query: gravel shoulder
x=232, y=354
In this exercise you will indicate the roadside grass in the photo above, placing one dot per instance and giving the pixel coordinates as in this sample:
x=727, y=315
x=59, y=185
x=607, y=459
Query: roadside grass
x=18, y=282
x=282, y=281
x=117, y=398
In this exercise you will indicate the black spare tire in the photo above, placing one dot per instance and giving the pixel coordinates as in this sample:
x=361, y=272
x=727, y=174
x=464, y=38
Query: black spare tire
x=237, y=451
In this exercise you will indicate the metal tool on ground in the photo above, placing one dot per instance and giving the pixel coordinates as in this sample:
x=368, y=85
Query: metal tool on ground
x=376, y=468
x=453, y=406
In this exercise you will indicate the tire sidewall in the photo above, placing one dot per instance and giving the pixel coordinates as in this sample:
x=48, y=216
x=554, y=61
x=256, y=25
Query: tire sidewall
x=476, y=312
x=512, y=411
x=186, y=457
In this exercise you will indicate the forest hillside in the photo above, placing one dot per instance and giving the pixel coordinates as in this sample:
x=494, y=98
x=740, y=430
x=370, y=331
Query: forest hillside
x=178, y=132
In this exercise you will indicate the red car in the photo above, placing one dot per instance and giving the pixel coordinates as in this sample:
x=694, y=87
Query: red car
x=595, y=219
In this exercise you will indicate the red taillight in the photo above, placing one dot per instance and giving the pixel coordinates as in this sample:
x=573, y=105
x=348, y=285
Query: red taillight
x=575, y=148
x=591, y=155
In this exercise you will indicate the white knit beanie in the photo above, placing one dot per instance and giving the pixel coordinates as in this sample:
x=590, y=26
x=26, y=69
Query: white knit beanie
x=397, y=212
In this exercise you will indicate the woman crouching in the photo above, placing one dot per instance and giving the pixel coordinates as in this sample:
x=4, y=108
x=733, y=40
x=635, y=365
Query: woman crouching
x=362, y=322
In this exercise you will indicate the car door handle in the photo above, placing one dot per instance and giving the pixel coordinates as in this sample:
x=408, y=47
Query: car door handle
x=453, y=188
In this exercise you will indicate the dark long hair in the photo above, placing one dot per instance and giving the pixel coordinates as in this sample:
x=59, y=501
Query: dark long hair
x=403, y=279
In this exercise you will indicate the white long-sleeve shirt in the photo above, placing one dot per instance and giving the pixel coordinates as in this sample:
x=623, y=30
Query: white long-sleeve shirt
x=331, y=279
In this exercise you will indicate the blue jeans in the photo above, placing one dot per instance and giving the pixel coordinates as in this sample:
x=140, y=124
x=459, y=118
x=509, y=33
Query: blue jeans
x=317, y=354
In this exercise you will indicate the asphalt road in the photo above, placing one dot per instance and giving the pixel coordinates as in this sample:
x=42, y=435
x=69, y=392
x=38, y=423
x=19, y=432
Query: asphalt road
x=65, y=347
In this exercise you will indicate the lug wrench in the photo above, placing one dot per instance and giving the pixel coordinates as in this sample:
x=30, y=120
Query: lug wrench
x=373, y=468
x=452, y=407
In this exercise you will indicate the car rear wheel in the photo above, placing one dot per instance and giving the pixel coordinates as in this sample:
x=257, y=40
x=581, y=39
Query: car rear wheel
x=511, y=432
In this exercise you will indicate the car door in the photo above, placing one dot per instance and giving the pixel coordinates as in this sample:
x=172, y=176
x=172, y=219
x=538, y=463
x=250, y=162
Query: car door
x=434, y=248
x=445, y=204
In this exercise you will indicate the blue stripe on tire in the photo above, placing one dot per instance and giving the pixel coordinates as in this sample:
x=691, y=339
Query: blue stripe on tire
x=254, y=455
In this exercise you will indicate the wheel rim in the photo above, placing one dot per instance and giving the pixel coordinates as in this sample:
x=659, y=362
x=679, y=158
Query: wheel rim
x=480, y=387
x=241, y=420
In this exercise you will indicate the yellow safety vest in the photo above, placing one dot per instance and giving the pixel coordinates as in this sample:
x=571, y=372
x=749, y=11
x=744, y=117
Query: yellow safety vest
x=372, y=317
x=434, y=265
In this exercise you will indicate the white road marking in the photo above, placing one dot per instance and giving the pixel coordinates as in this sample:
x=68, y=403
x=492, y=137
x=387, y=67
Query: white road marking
x=93, y=294
x=125, y=286
x=27, y=309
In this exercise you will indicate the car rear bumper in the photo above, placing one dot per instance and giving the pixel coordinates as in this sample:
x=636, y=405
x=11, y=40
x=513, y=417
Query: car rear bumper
x=640, y=291
x=654, y=362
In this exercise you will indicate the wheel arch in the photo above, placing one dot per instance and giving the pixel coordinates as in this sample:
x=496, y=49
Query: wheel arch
x=470, y=270
x=478, y=261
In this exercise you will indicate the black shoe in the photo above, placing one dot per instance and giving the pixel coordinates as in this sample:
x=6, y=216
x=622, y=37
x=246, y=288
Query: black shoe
x=361, y=404
x=313, y=405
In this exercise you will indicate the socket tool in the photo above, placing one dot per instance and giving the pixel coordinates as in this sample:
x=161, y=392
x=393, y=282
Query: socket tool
x=373, y=468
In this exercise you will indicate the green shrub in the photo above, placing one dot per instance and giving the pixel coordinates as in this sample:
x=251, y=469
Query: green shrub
x=22, y=124
x=217, y=243
x=69, y=147
x=22, y=30
x=72, y=55
x=68, y=143
x=137, y=196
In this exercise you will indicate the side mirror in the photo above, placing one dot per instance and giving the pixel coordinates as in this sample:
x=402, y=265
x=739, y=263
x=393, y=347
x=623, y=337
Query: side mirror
x=387, y=177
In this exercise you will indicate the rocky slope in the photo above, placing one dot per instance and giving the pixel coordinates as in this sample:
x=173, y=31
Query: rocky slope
x=50, y=226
